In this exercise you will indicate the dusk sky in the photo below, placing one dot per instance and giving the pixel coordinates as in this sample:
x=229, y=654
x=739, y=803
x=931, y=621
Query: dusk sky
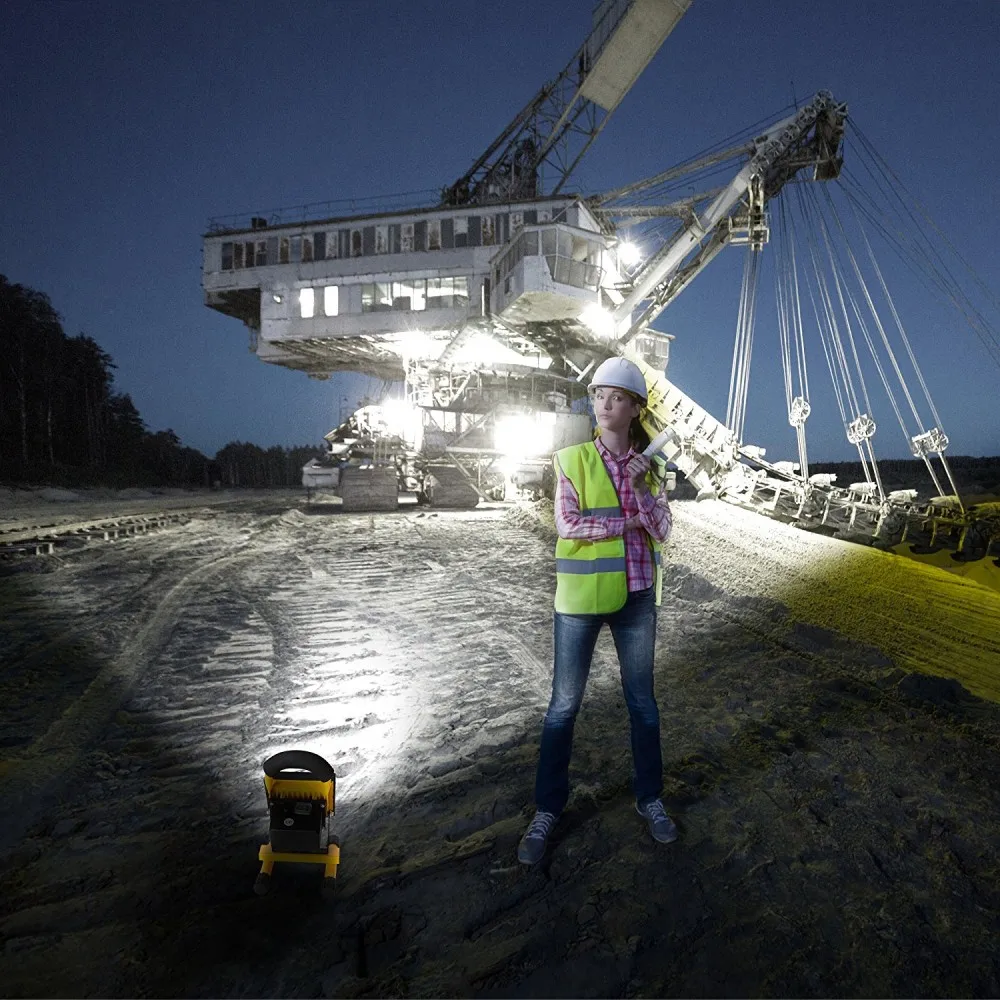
x=127, y=125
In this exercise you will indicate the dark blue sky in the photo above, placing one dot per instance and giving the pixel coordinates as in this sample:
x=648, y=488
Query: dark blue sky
x=127, y=125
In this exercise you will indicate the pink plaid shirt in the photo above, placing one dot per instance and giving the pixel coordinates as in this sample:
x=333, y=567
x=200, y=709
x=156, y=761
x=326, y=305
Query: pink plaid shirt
x=654, y=516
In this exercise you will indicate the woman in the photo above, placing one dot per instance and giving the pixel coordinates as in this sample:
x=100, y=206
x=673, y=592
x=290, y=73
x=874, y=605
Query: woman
x=612, y=517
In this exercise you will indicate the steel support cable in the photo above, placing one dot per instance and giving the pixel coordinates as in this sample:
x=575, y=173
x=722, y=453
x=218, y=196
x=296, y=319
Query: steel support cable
x=825, y=328
x=835, y=272
x=825, y=335
x=783, y=338
x=783, y=291
x=912, y=255
x=737, y=142
x=836, y=341
x=800, y=341
x=881, y=371
x=738, y=350
x=756, y=256
x=885, y=337
x=825, y=338
x=916, y=367
x=914, y=252
x=921, y=255
x=865, y=446
x=927, y=270
x=874, y=153
x=795, y=303
x=903, y=335
x=985, y=332
x=739, y=379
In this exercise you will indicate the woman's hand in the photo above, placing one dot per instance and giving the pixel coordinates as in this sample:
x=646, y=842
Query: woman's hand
x=637, y=467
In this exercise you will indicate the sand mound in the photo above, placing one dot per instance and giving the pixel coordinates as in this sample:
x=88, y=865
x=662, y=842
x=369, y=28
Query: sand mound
x=57, y=495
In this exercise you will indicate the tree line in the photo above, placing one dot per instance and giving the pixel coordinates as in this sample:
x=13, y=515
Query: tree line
x=63, y=423
x=971, y=472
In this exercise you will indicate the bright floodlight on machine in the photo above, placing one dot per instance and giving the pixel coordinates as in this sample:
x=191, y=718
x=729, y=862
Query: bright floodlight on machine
x=629, y=254
x=400, y=418
x=599, y=320
x=522, y=435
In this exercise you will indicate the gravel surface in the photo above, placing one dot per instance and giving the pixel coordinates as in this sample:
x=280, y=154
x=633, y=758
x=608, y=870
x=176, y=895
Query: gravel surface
x=837, y=809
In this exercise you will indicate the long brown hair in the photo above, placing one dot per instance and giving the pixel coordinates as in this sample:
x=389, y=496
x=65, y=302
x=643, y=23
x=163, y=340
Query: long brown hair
x=637, y=435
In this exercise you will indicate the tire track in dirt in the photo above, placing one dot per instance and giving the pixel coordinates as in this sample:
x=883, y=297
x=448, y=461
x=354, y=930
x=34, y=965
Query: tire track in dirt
x=34, y=776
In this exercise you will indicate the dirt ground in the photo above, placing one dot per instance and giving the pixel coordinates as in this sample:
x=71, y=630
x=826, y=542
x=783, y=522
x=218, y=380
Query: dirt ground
x=839, y=815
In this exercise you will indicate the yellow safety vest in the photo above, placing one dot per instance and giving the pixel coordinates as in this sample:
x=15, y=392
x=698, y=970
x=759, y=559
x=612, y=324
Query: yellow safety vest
x=590, y=576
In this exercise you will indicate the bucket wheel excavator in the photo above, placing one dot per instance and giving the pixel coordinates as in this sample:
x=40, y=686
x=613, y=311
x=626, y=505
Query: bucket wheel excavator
x=493, y=305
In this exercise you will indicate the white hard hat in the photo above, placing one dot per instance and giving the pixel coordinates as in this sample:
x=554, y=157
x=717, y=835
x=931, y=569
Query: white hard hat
x=620, y=373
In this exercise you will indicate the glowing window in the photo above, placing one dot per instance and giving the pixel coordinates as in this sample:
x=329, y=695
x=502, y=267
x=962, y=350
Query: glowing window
x=331, y=300
x=307, y=303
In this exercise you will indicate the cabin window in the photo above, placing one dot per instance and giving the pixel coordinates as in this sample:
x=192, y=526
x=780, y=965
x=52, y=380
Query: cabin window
x=447, y=293
x=237, y=255
x=296, y=249
x=261, y=258
x=406, y=237
x=462, y=231
x=434, y=234
x=331, y=300
x=409, y=295
x=227, y=256
x=381, y=239
x=307, y=248
x=355, y=242
x=283, y=250
x=307, y=302
x=319, y=245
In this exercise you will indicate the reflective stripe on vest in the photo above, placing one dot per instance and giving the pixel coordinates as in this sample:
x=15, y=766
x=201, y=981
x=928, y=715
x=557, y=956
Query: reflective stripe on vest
x=612, y=564
x=590, y=575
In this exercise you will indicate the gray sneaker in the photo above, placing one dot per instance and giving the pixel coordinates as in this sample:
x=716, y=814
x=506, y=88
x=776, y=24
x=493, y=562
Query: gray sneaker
x=532, y=845
x=661, y=826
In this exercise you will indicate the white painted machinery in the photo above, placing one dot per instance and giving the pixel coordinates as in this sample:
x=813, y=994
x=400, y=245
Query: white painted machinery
x=492, y=306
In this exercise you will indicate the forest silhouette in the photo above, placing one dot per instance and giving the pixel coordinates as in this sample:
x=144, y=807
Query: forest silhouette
x=62, y=422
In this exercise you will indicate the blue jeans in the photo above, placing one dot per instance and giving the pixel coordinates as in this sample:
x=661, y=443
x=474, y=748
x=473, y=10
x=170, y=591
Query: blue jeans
x=633, y=629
